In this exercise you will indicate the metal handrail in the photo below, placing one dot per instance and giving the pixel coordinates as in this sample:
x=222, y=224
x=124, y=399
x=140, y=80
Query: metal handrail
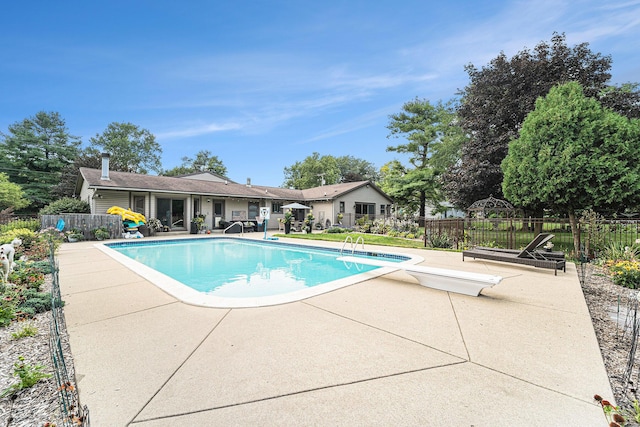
x=348, y=238
x=353, y=245
x=360, y=238
x=237, y=222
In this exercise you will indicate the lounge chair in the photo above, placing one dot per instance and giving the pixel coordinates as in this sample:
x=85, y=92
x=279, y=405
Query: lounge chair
x=530, y=255
x=461, y=282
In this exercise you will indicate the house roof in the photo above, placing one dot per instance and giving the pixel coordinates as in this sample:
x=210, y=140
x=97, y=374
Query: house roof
x=166, y=184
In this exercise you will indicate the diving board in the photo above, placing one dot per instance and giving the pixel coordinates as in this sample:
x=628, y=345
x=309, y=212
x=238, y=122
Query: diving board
x=461, y=282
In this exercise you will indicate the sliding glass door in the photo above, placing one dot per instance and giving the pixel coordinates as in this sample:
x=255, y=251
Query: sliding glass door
x=171, y=213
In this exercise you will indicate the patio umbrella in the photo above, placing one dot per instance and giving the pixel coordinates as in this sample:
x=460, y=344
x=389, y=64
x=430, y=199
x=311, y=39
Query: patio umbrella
x=295, y=206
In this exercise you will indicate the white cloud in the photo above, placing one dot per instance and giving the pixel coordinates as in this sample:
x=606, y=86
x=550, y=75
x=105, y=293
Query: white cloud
x=197, y=130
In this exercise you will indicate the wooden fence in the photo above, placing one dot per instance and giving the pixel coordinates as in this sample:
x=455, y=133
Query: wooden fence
x=86, y=223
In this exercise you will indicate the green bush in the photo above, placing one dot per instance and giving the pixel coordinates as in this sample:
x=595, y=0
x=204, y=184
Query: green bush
x=28, y=277
x=35, y=302
x=42, y=266
x=66, y=205
x=26, y=235
x=439, y=241
x=336, y=230
x=31, y=224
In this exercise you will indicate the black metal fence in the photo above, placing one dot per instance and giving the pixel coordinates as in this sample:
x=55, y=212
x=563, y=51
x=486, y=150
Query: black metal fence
x=73, y=413
x=514, y=233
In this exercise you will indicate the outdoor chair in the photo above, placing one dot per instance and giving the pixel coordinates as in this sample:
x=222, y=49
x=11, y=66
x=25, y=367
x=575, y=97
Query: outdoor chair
x=530, y=255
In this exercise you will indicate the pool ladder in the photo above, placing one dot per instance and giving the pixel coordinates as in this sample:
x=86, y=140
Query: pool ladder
x=241, y=228
x=349, y=239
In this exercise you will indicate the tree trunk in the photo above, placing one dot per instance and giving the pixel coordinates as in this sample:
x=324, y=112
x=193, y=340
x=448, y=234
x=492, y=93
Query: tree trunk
x=423, y=201
x=575, y=232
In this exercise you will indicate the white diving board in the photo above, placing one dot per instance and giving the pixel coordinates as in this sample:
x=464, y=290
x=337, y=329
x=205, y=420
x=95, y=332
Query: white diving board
x=461, y=282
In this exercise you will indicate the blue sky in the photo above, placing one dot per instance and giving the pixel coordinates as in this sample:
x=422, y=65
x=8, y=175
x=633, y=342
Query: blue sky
x=263, y=84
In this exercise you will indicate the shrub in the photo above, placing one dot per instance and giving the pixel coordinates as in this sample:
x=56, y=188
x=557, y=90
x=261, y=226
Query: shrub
x=66, y=205
x=38, y=250
x=439, y=241
x=30, y=224
x=625, y=273
x=35, y=302
x=27, y=236
x=28, y=277
x=336, y=230
x=42, y=266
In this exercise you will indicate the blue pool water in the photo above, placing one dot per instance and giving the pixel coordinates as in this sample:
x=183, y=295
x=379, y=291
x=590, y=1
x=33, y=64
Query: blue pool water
x=237, y=268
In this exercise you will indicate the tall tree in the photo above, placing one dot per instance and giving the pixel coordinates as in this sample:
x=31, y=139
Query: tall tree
x=87, y=158
x=313, y=171
x=574, y=154
x=132, y=149
x=34, y=153
x=500, y=95
x=203, y=162
x=353, y=169
x=395, y=182
x=431, y=139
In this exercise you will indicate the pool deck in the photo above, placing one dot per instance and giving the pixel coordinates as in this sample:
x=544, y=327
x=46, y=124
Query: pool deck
x=383, y=352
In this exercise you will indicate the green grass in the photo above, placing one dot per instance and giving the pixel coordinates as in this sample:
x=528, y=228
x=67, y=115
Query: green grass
x=370, y=239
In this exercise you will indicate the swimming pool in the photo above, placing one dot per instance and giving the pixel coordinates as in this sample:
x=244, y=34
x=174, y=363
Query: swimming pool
x=233, y=272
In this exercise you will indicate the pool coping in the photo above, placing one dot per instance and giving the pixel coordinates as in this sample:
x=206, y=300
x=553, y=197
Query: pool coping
x=191, y=296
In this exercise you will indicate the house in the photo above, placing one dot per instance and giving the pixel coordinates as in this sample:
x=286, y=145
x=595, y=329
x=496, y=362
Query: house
x=176, y=200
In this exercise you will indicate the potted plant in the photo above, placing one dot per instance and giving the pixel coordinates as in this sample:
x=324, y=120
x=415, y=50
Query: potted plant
x=340, y=216
x=74, y=235
x=101, y=233
x=154, y=225
x=308, y=222
x=197, y=224
x=288, y=217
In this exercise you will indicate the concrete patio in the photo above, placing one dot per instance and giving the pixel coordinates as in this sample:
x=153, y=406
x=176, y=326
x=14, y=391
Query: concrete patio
x=382, y=352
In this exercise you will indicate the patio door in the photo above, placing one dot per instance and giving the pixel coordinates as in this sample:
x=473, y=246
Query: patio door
x=171, y=213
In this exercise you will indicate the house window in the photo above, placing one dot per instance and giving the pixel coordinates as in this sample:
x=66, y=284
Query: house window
x=341, y=207
x=276, y=207
x=365, y=208
x=138, y=204
x=383, y=209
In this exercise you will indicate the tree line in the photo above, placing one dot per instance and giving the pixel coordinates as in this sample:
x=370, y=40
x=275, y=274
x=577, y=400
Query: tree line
x=40, y=161
x=474, y=146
